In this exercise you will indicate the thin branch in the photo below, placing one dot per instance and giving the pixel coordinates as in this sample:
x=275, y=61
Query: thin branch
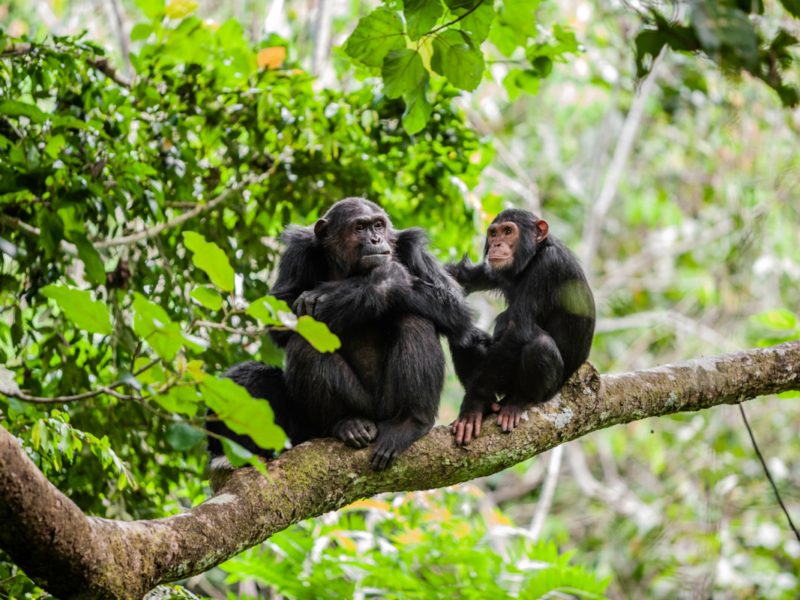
x=199, y=209
x=594, y=222
x=109, y=389
x=769, y=475
x=33, y=232
x=547, y=494
x=454, y=21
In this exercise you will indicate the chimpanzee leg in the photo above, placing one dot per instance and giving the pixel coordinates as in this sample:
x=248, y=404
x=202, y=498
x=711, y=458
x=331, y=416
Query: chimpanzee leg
x=469, y=354
x=496, y=375
x=330, y=393
x=412, y=383
x=537, y=379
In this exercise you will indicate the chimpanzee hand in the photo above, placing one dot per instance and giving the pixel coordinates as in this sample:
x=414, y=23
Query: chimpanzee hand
x=355, y=431
x=310, y=303
x=509, y=417
x=384, y=452
x=468, y=425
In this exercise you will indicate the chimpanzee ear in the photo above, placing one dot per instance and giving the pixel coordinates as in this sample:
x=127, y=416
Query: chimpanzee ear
x=321, y=228
x=541, y=231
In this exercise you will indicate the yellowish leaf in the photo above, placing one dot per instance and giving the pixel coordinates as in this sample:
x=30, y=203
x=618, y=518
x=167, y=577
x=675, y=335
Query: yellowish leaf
x=271, y=58
x=178, y=9
x=195, y=368
x=494, y=517
x=413, y=536
x=341, y=537
x=369, y=503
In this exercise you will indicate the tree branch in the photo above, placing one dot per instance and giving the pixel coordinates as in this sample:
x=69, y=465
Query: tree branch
x=74, y=556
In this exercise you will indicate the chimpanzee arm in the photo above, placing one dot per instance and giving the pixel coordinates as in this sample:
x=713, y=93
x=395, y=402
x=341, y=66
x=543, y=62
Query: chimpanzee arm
x=302, y=266
x=435, y=295
x=473, y=277
x=355, y=300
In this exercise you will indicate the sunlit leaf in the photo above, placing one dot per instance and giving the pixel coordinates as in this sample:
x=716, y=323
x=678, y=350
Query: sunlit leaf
x=210, y=258
x=317, y=334
x=177, y=9
x=402, y=72
x=207, y=297
x=271, y=58
x=78, y=306
x=456, y=59
x=421, y=16
x=376, y=35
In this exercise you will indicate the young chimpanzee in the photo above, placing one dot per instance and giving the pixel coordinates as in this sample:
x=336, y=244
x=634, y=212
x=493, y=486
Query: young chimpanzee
x=387, y=299
x=543, y=336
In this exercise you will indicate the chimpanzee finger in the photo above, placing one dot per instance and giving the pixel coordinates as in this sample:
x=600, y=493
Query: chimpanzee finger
x=361, y=434
x=298, y=306
x=477, y=424
x=372, y=431
x=458, y=429
x=517, y=417
x=467, y=433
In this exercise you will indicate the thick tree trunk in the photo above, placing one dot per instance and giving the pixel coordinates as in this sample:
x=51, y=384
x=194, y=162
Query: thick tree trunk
x=74, y=556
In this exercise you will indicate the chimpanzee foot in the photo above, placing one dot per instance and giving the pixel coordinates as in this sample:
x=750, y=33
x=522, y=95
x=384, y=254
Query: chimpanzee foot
x=509, y=417
x=356, y=431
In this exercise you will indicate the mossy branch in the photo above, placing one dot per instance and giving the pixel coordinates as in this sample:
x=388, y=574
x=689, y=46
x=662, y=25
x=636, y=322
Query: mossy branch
x=75, y=556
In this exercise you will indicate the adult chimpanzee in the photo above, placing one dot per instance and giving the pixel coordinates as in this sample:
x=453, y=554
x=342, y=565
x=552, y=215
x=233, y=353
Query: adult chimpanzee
x=387, y=299
x=543, y=336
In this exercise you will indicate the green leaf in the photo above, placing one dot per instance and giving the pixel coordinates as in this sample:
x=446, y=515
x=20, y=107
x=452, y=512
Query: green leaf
x=792, y=7
x=457, y=60
x=518, y=80
x=210, y=258
x=183, y=436
x=95, y=270
x=234, y=405
x=376, y=35
x=717, y=26
x=78, y=306
x=518, y=15
x=152, y=9
x=266, y=310
x=421, y=16
x=403, y=71
x=505, y=39
x=177, y=9
x=165, y=337
x=780, y=319
x=789, y=394
x=478, y=23
x=418, y=109
x=649, y=41
x=13, y=108
x=180, y=399
x=207, y=297
x=240, y=456
x=455, y=5
x=317, y=334
x=148, y=316
x=141, y=31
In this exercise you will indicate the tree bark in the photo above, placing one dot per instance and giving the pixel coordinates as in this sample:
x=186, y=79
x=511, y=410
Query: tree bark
x=75, y=556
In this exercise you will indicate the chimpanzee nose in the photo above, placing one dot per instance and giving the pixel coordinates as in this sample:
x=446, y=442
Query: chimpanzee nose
x=376, y=239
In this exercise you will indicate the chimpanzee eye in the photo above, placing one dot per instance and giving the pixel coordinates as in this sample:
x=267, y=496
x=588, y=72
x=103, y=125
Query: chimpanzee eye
x=508, y=231
x=378, y=225
x=492, y=233
x=359, y=228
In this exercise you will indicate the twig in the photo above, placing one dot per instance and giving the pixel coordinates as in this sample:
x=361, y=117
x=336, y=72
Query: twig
x=31, y=231
x=65, y=399
x=243, y=332
x=454, y=21
x=548, y=491
x=200, y=208
x=766, y=470
x=103, y=65
x=601, y=206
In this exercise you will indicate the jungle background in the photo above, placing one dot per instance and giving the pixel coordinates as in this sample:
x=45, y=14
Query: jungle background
x=675, y=181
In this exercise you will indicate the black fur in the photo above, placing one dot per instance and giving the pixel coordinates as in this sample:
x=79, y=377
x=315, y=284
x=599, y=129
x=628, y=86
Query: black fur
x=543, y=336
x=388, y=299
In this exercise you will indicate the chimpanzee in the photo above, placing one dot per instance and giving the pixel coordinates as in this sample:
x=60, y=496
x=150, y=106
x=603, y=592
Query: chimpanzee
x=543, y=336
x=388, y=299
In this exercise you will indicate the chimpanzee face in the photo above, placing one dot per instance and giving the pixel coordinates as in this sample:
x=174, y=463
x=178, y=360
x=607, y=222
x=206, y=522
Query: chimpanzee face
x=369, y=233
x=502, y=240
x=357, y=235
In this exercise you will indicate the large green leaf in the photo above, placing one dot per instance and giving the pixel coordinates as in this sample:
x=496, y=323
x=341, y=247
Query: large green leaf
x=210, y=258
x=518, y=15
x=792, y=7
x=78, y=306
x=421, y=16
x=183, y=436
x=376, y=35
x=241, y=412
x=317, y=334
x=14, y=108
x=403, y=71
x=780, y=319
x=458, y=60
x=92, y=262
x=717, y=26
x=266, y=310
x=478, y=22
x=418, y=109
x=207, y=297
x=165, y=337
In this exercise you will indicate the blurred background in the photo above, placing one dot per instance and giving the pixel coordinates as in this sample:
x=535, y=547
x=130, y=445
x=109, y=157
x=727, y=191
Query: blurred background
x=681, y=195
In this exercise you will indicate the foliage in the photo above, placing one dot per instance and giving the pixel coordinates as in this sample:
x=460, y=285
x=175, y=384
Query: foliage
x=420, y=545
x=139, y=229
